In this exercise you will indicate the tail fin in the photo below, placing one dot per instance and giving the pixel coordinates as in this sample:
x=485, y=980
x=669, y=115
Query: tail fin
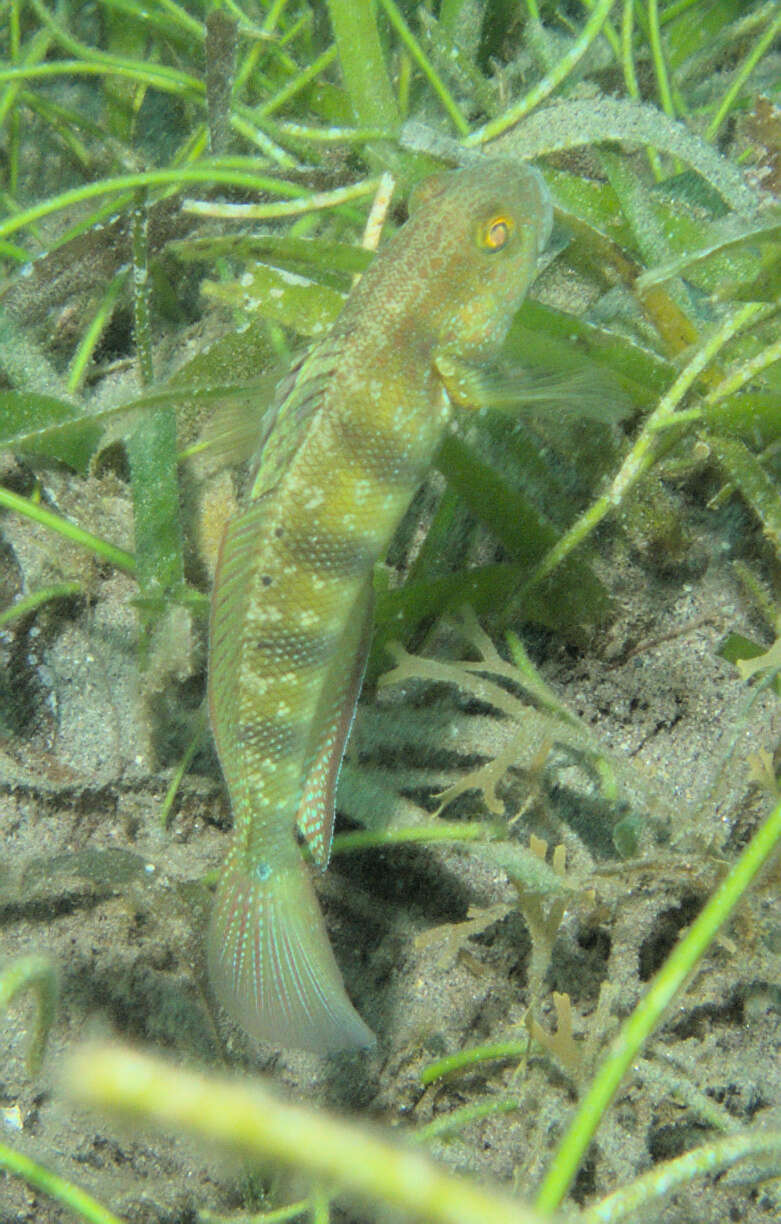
x=270, y=962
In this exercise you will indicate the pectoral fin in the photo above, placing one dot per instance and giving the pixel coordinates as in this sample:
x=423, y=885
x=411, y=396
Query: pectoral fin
x=516, y=391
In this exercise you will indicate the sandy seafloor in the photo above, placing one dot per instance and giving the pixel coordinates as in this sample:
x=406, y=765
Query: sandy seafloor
x=89, y=878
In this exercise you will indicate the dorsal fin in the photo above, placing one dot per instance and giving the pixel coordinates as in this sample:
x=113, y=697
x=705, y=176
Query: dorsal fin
x=300, y=397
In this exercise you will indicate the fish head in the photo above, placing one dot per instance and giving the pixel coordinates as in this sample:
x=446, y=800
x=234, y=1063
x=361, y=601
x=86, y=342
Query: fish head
x=493, y=219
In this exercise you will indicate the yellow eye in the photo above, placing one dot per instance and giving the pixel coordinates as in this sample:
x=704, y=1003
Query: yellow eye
x=496, y=233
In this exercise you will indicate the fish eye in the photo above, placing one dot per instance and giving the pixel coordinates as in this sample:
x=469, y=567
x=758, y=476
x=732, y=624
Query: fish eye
x=496, y=232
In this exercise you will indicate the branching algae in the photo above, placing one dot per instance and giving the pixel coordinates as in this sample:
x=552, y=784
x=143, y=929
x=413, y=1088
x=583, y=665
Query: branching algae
x=356, y=428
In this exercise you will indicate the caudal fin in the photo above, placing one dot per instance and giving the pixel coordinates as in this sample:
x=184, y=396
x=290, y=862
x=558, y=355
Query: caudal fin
x=271, y=965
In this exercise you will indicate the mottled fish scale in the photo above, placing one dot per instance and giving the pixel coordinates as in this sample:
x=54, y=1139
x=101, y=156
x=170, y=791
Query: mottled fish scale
x=356, y=426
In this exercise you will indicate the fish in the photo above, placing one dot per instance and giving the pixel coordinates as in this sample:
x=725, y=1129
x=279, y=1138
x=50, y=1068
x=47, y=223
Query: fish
x=354, y=430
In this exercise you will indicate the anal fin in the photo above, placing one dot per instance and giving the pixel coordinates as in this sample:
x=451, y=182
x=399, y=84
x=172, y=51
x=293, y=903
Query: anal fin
x=315, y=819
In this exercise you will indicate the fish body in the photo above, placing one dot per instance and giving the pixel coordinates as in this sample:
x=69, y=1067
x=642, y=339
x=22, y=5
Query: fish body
x=357, y=424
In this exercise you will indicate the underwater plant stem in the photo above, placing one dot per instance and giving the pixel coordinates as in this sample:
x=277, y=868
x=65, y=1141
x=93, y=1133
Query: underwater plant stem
x=107, y=552
x=33, y=54
x=60, y=590
x=332, y=135
x=182, y=767
x=664, y=1178
x=630, y=77
x=627, y=57
x=443, y=830
x=279, y=1216
x=608, y=31
x=320, y=1211
x=248, y=128
x=363, y=63
x=732, y=382
x=70, y=1196
x=742, y=75
x=139, y=239
x=155, y=76
x=151, y=450
x=642, y=454
x=311, y=202
x=646, y=1016
x=66, y=40
x=458, y=1119
x=584, y=121
x=745, y=472
x=298, y=83
x=676, y=8
x=221, y=43
x=89, y=340
x=182, y=18
x=466, y=1060
x=745, y=372
x=552, y=79
x=657, y=55
x=171, y=178
x=246, y=1117
x=427, y=68
x=38, y=974
x=272, y=17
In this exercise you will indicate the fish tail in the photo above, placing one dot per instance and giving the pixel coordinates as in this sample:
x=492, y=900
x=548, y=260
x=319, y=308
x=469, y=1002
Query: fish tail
x=270, y=962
